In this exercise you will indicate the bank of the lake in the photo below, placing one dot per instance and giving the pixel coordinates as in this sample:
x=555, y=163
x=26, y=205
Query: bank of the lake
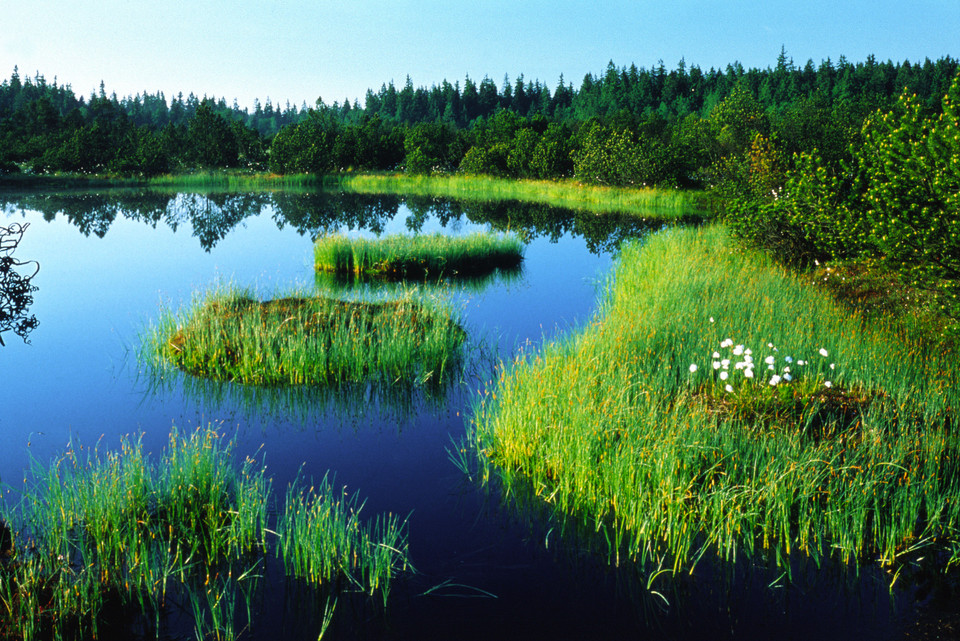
x=721, y=405
x=647, y=202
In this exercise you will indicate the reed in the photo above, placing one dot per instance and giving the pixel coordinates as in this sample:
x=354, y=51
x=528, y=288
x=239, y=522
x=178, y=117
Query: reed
x=718, y=404
x=299, y=340
x=323, y=539
x=419, y=257
x=97, y=531
x=239, y=180
x=653, y=203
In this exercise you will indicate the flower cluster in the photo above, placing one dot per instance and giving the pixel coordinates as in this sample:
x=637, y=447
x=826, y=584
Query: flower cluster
x=736, y=359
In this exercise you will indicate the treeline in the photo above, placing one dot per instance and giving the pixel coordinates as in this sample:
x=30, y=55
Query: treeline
x=628, y=126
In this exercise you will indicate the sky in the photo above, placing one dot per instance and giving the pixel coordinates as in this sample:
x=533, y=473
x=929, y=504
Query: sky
x=298, y=51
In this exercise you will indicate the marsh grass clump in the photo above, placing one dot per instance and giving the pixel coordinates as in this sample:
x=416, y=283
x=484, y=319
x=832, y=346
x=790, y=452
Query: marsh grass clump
x=101, y=533
x=323, y=539
x=672, y=440
x=299, y=340
x=419, y=257
x=104, y=530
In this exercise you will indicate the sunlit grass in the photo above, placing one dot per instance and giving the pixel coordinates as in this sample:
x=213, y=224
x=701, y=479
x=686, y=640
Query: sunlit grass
x=418, y=257
x=310, y=340
x=239, y=180
x=648, y=427
x=653, y=203
x=323, y=538
x=100, y=530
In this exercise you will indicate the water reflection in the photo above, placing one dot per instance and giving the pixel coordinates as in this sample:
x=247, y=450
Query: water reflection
x=16, y=288
x=212, y=216
x=299, y=407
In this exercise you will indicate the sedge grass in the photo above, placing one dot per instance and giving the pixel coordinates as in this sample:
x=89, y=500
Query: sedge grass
x=648, y=202
x=419, y=257
x=629, y=425
x=300, y=340
x=96, y=531
x=323, y=539
x=238, y=181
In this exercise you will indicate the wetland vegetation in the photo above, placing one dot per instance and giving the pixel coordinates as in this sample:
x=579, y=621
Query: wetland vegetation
x=422, y=257
x=721, y=406
x=311, y=340
x=97, y=532
x=730, y=400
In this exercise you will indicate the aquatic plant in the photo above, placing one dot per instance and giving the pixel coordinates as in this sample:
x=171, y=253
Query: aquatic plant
x=664, y=204
x=299, y=340
x=631, y=427
x=322, y=539
x=420, y=257
x=99, y=531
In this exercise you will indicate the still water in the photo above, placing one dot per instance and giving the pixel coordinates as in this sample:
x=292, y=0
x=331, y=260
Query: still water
x=486, y=568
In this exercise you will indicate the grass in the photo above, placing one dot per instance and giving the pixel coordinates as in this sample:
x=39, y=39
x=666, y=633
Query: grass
x=663, y=204
x=419, y=257
x=239, y=180
x=300, y=340
x=95, y=532
x=323, y=539
x=647, y=427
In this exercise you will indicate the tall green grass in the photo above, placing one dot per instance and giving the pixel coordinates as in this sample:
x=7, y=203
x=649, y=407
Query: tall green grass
x=239, y=180
x=421, y=257
x=649, y=203
x=629, y=425
x=323, y=539
x=299, y=340
x=96, y=531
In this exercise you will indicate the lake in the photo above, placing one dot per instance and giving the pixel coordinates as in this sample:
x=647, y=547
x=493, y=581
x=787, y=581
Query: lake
x=486, y=567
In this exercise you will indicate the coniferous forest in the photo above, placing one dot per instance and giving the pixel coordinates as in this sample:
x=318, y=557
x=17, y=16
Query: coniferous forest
x=626, y=126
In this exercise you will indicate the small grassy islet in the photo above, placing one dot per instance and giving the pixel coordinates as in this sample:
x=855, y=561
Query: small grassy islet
x=311, y=340
x=420, y=257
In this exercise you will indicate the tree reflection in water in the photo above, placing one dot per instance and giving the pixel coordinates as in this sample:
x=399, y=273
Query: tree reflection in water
x=16, y=289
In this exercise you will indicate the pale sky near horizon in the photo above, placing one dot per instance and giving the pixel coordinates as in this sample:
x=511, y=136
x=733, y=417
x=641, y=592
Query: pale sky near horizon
x=297, y=51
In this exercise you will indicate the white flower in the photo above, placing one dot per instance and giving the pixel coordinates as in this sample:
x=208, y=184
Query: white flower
x=727, y=342
x=747, y=358
x=787, y=377
x=832, y=365
x=693, y=367
x=774, y=380
x=824, y=352
x=725, y=362
x=789, y=359
x=748, y=351
x=748, y=373
x=711, y=319
x=801, y=362
x=827, y=384
x=786, y=369
x=716, y=354
x=770, y=345
x=716, y=364
x=740, y=365
x=729, y=388
x=738, y=350
x=769, y=360
x=771, y=368
x=724, y=375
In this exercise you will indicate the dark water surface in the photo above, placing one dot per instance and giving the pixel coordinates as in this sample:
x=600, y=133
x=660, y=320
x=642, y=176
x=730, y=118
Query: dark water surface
x=486, y=568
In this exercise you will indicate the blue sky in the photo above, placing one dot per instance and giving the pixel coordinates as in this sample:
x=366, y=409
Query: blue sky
x=300, y=50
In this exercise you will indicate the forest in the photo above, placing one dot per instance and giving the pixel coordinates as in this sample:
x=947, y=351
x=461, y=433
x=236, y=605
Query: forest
x=627, y=126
